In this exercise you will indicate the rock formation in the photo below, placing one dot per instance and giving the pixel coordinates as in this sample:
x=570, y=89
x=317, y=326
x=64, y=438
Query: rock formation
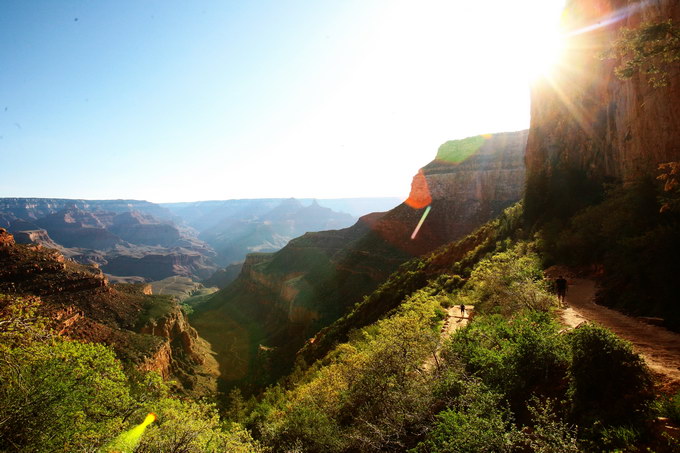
x=587, y=121
x=124, y=241
x=289, y=295
x=149, y=331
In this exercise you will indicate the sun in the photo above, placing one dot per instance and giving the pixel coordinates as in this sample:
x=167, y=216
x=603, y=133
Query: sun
x=544, y=54
x=540, y=45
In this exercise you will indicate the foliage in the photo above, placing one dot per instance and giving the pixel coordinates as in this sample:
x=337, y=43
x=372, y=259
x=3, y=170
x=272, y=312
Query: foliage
x=610, y=384
x=61, y=395
x=456, y=260
x=635, y=244
x=192, y=427
x=20, y=322
x=477, y=421
x=670, y=175
x=368, y=395
x=508, y=282
x=519, y=357
x=649, y=49
x=548, y=433
x=155, y=308
x=670, y=407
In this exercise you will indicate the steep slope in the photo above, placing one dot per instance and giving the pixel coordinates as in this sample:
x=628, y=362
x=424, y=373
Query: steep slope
x=150, y=332
x=281, y=299
x=587, y=125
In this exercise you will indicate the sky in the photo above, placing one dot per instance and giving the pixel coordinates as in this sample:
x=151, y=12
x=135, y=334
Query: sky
x=181, y=101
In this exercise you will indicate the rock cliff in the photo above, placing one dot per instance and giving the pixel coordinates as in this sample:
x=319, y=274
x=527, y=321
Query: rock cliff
x=122, y=236
x=287, y=296
x=588, y=122
x=150, y=331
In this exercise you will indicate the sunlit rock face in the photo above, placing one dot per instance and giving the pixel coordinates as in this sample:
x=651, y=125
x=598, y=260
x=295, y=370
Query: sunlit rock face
x=470, y=182
x=585, y=118
x=289, y=295
x=151, y=333
x=125, y=237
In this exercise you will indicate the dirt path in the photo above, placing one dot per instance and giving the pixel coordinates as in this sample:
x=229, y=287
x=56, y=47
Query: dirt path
x=454, y=320
x=658, y=346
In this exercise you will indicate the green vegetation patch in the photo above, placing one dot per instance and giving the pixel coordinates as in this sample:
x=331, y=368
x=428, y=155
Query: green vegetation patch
x=456, y=151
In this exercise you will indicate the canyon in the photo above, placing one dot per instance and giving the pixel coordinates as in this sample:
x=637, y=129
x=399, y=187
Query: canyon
x=149, y=332
x=281, y=299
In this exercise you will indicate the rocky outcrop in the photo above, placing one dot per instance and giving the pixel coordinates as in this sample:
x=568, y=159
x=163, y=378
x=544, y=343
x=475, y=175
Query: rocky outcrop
x=6, y=239
x=157, y=266
x=36, y=237
x=127, y=241
x=138, y=228
x=82, y=305
x=159, y=361
x=77, y=228
x=317, y=277
x=222, y=277
x=585, y=120
x=179, y=340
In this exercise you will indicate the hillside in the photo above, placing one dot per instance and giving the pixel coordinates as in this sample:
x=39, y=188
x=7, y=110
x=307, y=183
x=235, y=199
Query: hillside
x=282, y=299
x=147, y=332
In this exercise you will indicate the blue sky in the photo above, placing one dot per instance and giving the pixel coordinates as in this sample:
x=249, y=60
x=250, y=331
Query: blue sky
x=181, y=101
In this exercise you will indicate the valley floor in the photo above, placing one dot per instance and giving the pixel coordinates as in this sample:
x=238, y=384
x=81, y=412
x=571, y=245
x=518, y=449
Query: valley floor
x=658, y=346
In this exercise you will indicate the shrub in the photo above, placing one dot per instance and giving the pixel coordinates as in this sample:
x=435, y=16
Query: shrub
x=508, y=282
x=548, y=433
x=60, y=396
x=610, y=384
x=477, y=422
x=670, y=407
x=517, y=357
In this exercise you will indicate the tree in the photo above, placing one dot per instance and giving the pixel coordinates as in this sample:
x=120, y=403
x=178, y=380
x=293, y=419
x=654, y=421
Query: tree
x=649, y=49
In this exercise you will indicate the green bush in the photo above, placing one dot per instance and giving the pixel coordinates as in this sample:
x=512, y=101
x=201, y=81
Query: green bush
x=60, y=396
x=548, y=432
x=508, y=282
x=670, y=407
x=517, y=357
x=477, y=422
x=610, y=384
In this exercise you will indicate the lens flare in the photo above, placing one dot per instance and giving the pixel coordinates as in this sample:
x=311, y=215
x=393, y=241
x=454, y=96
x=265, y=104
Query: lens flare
x=126, y=442
x=422, y=220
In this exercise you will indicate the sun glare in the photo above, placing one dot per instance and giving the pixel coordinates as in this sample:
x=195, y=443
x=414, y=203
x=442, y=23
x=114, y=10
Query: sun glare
x=540, y=43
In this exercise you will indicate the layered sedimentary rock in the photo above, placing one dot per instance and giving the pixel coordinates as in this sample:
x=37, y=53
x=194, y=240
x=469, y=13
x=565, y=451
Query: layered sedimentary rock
x=111, y=234
x=289, y=295
x=587, y=120
x=150, y=331
x=157, y=266
x=138, y=228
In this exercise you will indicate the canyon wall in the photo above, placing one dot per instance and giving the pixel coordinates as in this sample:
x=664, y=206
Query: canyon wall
x=287, y=296
x=587, y=121
x=149, y=331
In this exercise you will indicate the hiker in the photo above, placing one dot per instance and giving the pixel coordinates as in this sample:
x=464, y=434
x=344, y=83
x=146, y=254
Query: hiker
x=561, y=287
x=462, y=310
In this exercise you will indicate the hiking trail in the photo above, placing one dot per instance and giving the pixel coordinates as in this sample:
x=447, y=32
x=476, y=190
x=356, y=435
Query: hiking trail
x=659, y=347
x=454, y=320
